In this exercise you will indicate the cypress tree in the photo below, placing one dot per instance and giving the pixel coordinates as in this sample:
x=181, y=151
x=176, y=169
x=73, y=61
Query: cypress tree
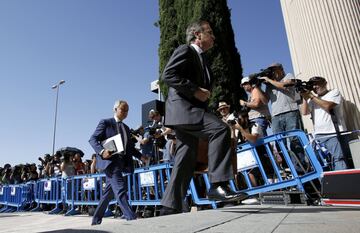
x=224, y=58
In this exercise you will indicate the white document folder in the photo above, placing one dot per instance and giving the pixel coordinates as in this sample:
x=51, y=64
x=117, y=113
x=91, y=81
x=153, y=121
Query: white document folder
x=114, y=144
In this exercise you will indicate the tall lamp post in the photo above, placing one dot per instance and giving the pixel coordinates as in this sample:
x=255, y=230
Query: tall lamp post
x=56, y=86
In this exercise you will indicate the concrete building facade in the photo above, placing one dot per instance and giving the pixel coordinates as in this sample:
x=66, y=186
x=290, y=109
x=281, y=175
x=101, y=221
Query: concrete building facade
x=324, y=40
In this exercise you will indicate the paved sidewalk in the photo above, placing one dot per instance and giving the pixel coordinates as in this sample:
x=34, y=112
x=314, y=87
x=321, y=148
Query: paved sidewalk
x=237, y=219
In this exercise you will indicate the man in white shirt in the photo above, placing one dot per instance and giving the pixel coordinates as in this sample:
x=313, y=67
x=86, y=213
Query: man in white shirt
x=325, y=107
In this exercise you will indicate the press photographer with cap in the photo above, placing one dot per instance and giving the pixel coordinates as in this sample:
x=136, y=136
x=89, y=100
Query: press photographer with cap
x=257, y=104
x=326, y=109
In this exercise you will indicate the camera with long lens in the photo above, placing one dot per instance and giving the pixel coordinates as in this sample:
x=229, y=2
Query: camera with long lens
x=255, y=77
x=301, y=86
x=233, y=117
x=155, y=130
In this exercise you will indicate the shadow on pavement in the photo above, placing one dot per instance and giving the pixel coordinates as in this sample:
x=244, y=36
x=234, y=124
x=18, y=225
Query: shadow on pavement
x=295, y=209
x=75, y=231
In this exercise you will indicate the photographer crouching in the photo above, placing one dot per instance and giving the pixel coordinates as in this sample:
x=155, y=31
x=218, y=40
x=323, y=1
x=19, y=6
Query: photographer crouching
x=326, y=109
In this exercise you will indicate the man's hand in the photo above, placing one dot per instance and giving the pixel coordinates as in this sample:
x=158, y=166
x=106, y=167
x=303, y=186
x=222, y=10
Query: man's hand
x=144, y=159
x=306, y=95
x=106, y=154
x=202, y=94
x=242, y=102
x=266, y=79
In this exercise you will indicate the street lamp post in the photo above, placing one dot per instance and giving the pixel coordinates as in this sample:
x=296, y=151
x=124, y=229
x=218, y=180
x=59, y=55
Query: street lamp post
x=56, y=86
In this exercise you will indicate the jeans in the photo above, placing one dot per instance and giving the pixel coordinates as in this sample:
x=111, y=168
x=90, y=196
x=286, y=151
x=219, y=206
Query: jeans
x=290, y=121
x=263, y=124
x=332, y=144
x=286, y=121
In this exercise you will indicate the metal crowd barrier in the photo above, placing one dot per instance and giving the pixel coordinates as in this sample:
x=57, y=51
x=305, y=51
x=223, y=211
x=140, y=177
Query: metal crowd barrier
x=147, y=184
x=48, y=191
x=83, y=190
x=286, y=173
x=16, y=197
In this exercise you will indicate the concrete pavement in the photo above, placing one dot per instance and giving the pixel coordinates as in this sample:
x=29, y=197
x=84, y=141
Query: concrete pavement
x=239, y=219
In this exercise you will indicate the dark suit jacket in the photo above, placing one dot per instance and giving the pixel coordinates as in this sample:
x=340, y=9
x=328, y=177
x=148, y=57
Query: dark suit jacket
x=184, y=75
x=106, y=129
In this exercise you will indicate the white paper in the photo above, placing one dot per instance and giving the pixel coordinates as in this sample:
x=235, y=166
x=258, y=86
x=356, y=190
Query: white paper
x=147, y=179
x=245, y=160
x=118, y=143
x=89, y=183
x=13, y=191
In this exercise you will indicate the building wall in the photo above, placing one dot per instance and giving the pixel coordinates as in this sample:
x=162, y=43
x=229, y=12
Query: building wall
x=324, y=40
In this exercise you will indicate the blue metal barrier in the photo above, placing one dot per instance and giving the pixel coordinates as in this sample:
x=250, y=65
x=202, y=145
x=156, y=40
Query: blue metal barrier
x=84, y=190
x=251, y=160
x=4, y=190
x=193, y=191
x=147, y=185
x=28, y=194
x=48, y=191
x=14, y=197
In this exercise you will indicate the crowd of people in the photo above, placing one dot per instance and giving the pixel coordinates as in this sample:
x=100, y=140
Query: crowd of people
x=60, y=164
x=275, y=104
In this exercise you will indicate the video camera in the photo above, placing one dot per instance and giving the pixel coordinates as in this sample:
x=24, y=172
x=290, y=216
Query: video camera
x=153, y=130
x=254, y=79
x=301, y=86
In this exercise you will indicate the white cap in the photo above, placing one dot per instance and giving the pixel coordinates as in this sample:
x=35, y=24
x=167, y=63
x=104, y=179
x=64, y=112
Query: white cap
x=245, y=80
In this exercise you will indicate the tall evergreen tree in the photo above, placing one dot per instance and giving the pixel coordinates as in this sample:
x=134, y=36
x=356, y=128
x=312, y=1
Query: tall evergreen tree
x=224, y=58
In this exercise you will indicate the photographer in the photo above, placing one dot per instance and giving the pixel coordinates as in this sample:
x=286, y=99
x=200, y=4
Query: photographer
x=251, y=132
x=67, y=166
x=284, y=100
x=33, y=174
x=326, y=109
x=285, y=114
x=154, y=138
x=5, y=178
x=15, y=175
x=44, y=161
x=259, y=111
x=52, y=168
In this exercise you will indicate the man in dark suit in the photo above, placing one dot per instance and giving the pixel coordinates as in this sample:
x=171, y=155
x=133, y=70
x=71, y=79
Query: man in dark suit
x=189, y=80
x=113, y=164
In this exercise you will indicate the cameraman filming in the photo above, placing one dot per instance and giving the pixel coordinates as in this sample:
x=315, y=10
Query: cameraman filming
x=326, y=109
x=285, y=114
x=284, y=100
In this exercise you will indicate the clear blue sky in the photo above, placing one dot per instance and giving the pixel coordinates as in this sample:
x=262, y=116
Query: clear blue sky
x=104, y=50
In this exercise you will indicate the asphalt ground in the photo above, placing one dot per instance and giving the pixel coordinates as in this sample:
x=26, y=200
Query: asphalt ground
x=242, y=218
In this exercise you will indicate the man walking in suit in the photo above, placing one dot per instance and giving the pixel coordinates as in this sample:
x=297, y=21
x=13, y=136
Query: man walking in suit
x=113, y=164
x=189, y=80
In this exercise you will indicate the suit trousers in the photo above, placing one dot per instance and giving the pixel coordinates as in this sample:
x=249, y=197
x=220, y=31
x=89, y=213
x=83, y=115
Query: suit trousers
x=115, y=185
x=219, y=157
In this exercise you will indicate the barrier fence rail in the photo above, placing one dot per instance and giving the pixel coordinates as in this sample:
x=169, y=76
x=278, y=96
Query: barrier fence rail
x=269, y=164
x=277, y=166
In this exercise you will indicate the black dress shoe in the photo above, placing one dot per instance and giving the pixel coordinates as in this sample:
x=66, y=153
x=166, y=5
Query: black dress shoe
x=168, y=211
x=222, y=193
x=93, y=223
